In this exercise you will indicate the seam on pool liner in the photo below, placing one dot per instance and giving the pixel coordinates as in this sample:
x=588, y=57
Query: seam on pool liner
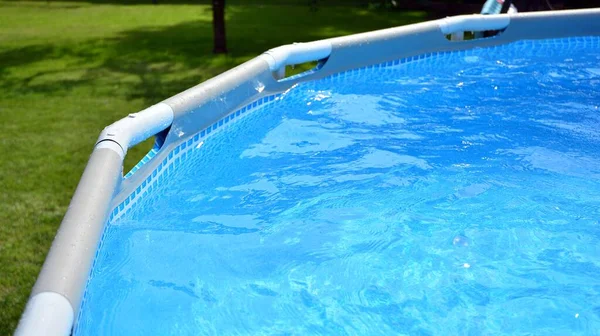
x=157, y=177
x=154, y=179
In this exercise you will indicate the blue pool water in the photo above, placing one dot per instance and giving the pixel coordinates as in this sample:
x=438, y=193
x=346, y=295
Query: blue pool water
x=455, y=194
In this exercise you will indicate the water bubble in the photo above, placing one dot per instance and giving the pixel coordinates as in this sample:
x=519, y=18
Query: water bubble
x=461, y=240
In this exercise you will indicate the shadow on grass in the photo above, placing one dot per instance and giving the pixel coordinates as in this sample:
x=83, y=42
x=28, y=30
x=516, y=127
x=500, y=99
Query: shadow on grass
x=154, y=63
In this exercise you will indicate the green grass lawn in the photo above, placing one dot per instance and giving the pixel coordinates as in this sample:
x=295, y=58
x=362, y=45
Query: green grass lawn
x=67, y=69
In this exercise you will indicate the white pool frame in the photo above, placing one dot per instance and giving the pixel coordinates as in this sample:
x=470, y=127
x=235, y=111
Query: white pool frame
x=56, y=297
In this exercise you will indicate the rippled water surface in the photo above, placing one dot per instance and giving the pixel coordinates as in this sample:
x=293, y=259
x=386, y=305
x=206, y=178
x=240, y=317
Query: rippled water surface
x=453, y=195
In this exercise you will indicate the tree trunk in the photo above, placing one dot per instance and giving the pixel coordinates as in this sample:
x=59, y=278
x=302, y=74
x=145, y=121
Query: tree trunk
x=220, y=43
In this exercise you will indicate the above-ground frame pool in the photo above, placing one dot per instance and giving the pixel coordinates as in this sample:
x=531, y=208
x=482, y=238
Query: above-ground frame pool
x=411, y=183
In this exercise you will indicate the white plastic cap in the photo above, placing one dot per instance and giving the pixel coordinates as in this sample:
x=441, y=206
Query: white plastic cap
x=47, y=313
